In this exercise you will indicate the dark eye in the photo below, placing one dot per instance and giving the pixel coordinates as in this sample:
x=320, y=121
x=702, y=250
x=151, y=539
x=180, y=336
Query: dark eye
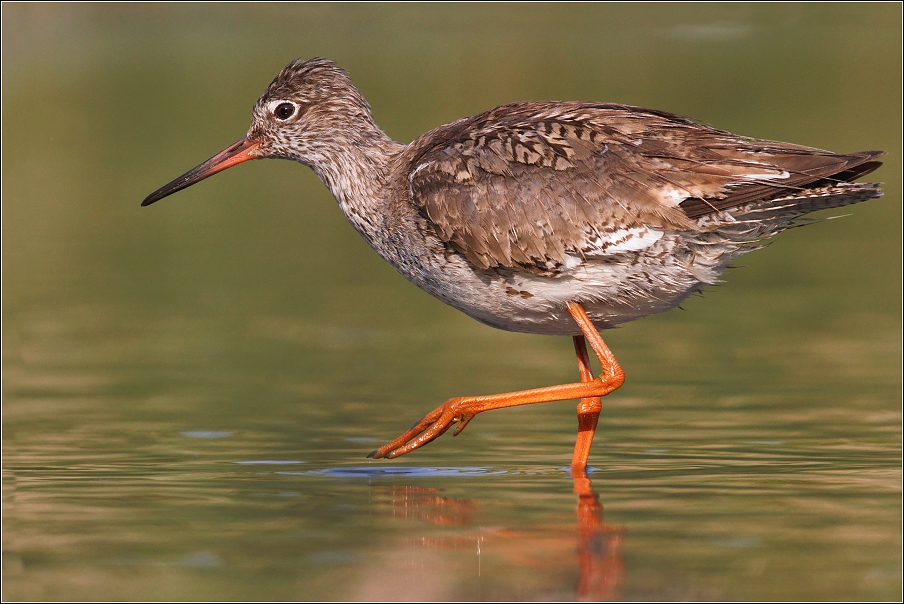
x=284, y=111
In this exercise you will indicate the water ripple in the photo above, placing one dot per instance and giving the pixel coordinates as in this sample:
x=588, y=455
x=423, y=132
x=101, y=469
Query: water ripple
x=373, y=471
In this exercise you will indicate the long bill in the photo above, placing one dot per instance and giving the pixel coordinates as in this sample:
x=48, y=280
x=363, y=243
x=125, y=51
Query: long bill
x=236, y=153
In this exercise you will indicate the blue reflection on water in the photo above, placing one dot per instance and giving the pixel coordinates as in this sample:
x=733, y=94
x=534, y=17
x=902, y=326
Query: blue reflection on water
x=372, y=471
x=567, y=470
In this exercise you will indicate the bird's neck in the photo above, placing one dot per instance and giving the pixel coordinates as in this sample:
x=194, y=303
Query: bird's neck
x=356, y=169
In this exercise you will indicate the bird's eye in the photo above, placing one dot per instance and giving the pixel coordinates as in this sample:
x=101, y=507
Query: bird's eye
x=284, y=111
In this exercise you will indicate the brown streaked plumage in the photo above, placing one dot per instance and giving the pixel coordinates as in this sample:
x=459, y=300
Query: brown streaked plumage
x=586, y=167
x=556, y=218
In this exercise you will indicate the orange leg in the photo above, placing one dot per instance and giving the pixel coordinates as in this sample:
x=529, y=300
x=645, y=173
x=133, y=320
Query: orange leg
x=588, y=411
x=463, y=409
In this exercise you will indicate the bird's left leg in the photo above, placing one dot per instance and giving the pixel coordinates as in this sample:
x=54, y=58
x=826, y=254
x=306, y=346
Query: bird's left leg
x=463, y=409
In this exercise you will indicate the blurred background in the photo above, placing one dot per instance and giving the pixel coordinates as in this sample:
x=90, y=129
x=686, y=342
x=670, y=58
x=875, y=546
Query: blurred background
x=189, y=389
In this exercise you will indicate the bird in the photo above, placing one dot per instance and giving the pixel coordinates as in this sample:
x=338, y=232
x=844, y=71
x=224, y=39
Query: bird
x=552, y=218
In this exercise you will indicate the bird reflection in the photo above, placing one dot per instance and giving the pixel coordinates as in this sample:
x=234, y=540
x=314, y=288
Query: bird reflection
x=423, y=503
x=548, y=546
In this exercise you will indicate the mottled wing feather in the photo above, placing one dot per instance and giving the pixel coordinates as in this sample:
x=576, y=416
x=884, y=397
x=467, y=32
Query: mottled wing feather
x=529, y=184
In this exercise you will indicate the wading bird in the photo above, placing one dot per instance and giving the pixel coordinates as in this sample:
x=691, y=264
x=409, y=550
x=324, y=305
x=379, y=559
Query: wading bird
x=556, y=218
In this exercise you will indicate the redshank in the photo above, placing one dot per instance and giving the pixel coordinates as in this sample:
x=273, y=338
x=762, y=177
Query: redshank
x=557, y=218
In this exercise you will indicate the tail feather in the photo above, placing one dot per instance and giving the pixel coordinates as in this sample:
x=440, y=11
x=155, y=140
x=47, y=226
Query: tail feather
x=809, y=200
x=811, y=181
x=756, y=221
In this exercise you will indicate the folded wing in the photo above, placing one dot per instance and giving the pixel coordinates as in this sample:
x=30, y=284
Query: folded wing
x=540, y=184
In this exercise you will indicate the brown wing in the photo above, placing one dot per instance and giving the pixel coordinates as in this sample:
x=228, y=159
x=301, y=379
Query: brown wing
x=529, y=183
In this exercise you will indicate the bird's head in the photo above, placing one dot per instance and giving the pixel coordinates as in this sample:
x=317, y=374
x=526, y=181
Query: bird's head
x=309, y=113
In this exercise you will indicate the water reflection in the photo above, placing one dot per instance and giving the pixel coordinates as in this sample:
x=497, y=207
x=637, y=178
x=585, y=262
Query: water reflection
x=599, y=547
x=588, y=548
x=427, y=504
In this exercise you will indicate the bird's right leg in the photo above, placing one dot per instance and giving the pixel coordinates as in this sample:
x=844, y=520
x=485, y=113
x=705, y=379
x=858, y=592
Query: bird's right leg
x=588, y=411
x=463, y=409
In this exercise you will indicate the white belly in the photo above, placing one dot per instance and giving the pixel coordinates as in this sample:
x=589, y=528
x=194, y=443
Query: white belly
x=613, y=290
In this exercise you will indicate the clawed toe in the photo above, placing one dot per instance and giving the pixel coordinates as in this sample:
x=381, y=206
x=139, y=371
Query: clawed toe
x=430, y=427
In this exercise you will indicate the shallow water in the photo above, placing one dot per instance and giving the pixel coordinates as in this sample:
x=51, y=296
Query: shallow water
x=189, y=390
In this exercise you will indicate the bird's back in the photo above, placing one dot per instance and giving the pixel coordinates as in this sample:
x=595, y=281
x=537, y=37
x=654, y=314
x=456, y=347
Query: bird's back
x=527, y=184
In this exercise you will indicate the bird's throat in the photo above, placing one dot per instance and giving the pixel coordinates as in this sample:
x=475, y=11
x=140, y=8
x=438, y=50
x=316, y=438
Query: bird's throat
x=357, y=176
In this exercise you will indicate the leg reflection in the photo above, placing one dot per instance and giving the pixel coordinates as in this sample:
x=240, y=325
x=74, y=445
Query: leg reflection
x=535, y=558
x=601, y=566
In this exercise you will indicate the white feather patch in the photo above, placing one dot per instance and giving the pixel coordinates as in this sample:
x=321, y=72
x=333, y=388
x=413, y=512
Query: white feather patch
x=672, y=197
x=626, y=240
x=572, y=261
x=769, y=176
x=418, y=169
